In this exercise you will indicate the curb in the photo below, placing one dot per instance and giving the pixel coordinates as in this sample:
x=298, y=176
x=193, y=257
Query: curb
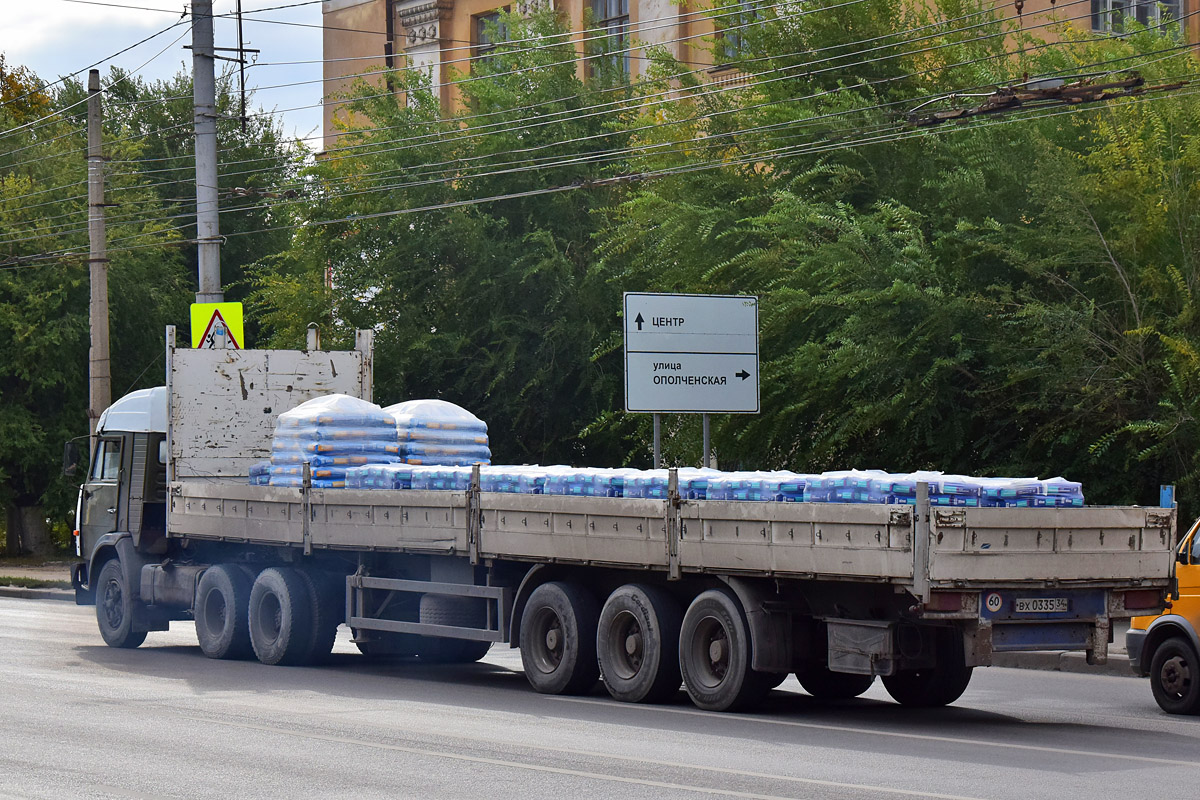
x=1065, y=661
x=37, y=594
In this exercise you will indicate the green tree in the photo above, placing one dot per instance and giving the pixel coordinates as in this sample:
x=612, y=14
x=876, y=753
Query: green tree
x=491, y=305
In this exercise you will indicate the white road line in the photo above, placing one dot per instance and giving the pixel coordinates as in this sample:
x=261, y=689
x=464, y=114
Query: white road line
x=990, y=744
x=499, y=762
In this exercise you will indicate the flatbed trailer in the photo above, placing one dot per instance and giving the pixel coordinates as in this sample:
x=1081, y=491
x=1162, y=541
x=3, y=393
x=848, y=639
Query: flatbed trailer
x=727, y=597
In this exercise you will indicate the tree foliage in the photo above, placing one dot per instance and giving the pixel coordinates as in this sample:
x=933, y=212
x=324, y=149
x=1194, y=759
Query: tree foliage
x=44, y=272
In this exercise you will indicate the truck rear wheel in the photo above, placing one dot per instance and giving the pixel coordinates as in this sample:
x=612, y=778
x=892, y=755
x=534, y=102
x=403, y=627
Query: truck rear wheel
x=637, y=643
x=558, y=639
x=222, y=618
x=281, y=625
x=825, y=684
x=714, y=654
x=114, y=607
x=327, y=611
x=938, y=685
x=1175, y=677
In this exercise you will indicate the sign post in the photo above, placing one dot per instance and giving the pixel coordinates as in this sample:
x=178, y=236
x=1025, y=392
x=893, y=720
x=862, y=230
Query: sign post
x=691, y=354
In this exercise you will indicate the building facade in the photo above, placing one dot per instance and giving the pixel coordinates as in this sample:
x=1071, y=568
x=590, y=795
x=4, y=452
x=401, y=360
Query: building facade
x=362, y=38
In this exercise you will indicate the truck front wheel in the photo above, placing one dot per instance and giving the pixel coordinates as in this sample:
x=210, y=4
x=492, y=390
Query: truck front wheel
x=281, y=624
x=638, y=644
x=114, y=607
x=1175, y=677
x=558, y=639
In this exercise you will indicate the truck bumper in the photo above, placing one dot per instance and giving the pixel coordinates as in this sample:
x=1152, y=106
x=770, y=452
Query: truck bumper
x=1134, y=643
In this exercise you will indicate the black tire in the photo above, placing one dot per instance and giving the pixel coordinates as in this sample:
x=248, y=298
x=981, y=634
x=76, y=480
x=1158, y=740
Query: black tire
x=558, y=639
x=281, y=624
x=114, y=607
x=464, y=612
x=637, y=643
x=222, y=618
x=939, y=685
x=1175, y=676
x=327, y=611
x=824, y=684
x=714, y=654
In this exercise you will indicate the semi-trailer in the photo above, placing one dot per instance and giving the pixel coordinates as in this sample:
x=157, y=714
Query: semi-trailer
x=726, y=597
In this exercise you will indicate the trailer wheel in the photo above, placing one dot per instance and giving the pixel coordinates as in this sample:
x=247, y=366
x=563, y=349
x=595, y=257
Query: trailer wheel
x=714, y=654
x=637, y=643
x=281, y=625
x=327, y=612
x=1175, y=677
x=939, y=685
x=558, y=639
x=114, y=607
x=222, y=613
x=825, y=684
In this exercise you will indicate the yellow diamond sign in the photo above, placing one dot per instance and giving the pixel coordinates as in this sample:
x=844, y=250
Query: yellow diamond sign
x=217, y=325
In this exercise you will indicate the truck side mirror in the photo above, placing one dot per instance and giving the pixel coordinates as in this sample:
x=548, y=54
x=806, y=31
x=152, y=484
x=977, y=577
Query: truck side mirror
x=70, y=461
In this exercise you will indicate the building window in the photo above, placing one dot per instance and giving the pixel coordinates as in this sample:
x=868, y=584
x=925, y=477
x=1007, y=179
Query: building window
x=612, y=22
x=733, y=35
x=1108, y=16
x=490, y=29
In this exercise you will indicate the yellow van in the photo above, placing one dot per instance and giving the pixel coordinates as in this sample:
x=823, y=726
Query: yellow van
x=1167, y=647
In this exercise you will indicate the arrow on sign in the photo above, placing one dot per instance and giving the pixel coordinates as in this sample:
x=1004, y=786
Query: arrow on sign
x=743, y=374
x=638, y=319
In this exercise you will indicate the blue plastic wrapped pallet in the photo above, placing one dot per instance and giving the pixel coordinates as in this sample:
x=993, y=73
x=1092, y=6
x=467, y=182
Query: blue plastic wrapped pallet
x=331, y=434
x=260, y=473
x=438, y=433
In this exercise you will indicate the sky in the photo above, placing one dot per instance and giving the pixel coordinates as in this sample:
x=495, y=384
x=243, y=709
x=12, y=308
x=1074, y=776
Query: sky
x=58, y=37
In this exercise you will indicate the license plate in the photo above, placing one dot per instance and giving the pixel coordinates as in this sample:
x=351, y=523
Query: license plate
x=1041, y=605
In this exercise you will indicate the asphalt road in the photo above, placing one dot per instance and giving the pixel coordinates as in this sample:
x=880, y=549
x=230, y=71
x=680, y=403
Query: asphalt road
x=78, y=719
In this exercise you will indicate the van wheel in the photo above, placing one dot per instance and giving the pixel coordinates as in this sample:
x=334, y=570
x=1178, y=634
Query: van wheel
x=281, y=624
x=714, y=654
x=1175, y=677
x=638, y=644
x=114, y=607
x=222, y=606
x=558, y=639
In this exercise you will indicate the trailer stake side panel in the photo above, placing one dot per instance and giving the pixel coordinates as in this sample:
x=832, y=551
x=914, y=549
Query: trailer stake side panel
x=838, y=541
x=1096, y=545
x=969, y=548
x=628, y=532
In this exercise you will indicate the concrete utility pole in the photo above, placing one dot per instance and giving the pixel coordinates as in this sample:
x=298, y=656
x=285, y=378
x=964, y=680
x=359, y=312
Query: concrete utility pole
x=99, y=369
x=204, y=88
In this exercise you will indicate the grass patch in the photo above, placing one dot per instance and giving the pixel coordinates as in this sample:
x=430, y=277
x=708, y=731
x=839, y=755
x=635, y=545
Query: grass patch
x=34, y=583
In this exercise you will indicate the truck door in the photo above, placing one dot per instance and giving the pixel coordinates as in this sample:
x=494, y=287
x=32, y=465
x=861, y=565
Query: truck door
x=101, y=494
x=1187, y=572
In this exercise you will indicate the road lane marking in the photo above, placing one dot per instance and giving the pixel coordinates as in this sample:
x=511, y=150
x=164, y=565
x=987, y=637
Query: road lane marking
x=500, y=762
x=926, y=737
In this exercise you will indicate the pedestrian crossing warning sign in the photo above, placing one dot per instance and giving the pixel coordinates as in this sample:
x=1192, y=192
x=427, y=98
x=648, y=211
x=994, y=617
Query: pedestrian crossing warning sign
x=217, y=325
